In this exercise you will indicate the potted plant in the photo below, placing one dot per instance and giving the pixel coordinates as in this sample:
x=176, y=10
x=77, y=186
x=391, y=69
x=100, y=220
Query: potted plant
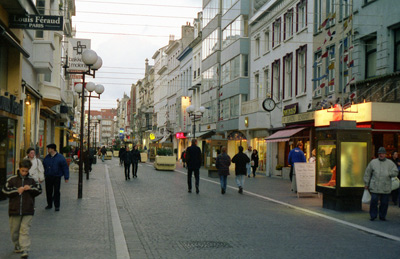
x=165, y=159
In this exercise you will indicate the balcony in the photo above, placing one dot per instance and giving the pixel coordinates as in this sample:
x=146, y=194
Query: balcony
x=251, y=106
x=51, y=94
x=43, y=56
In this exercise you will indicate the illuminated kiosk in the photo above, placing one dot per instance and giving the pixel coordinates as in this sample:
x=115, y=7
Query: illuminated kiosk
x=212, y=149
x=343, y=152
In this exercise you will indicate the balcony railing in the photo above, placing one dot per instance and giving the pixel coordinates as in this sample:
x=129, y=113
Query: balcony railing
x=251, y=106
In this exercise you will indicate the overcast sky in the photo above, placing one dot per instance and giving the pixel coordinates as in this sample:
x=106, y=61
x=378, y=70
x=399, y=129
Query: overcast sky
x=126, y=32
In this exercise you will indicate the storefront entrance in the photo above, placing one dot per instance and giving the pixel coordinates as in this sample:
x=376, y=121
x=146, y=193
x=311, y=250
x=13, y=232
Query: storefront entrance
x=7, y=149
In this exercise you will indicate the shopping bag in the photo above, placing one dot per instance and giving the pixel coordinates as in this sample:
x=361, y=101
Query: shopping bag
x=395, y=183
x=366, y=198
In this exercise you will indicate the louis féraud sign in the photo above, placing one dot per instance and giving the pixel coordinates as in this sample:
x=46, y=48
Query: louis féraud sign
x=75, y=49
x=36, y=22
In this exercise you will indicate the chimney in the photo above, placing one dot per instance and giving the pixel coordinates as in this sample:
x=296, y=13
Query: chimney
x=171, y=39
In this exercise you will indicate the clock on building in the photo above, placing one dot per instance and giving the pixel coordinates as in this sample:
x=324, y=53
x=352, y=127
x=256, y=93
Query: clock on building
x=268, y=104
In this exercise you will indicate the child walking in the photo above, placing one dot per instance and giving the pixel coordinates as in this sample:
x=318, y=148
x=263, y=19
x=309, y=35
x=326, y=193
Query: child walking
x=21, y=189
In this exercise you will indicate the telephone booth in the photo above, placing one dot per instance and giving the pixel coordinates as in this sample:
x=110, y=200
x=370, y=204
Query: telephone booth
x=343, y=153
x=212, y=149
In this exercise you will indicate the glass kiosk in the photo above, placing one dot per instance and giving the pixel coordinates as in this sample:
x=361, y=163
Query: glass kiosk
x=212, y=149
x=343, y=153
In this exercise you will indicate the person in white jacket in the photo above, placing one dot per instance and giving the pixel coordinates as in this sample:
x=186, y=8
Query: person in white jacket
x=37, y=170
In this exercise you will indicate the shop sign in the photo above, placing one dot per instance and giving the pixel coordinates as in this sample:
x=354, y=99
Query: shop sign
x=152, y=136
x=180, y=135
x=305, y=116
x=291, y=109
x=75, y=50
x=37, y=22
x=10, y=105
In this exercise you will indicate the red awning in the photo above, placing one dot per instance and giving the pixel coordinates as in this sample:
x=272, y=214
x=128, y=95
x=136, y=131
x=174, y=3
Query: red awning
x=283, y=135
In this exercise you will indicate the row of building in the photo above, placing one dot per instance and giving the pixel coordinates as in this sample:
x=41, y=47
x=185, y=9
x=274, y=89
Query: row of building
x=264, y=69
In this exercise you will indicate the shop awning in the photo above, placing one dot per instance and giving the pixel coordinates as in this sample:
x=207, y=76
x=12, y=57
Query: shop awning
x=4, y=34
x=205, y=134
x=283, y=135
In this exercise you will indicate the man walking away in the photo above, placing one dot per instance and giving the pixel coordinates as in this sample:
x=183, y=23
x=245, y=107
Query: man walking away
x=248, y=153
x=135, y=155
x=193, y=161
x=103, y=153
x=296, y=155
x=240, y=160
x=126, y=157
x=378, y=180
x=120, y=154
x=222, y=164
x=55, y=167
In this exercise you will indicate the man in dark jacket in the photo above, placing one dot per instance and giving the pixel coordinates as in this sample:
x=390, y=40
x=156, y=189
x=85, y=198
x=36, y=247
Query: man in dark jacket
x=103, y=151
x=127, y=158
x=222, y=164
x=135, y=155
x=193, y=161
x=120, y=155
x=240, y=160
x=55, y=166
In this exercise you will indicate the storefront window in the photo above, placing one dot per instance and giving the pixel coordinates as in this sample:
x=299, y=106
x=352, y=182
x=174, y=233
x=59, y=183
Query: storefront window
x=41, y=137
x=261, y=146
x=326, y=164
x=353, y=161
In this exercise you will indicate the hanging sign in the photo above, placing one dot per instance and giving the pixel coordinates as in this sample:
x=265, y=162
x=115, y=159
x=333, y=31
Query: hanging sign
x=36, y=22
x=75, y=50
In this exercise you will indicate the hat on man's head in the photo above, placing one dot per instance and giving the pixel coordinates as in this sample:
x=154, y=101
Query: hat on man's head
x=53, y=146
x=381, y=150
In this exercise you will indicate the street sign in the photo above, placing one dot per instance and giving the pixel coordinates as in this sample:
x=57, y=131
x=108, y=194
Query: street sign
x=36, y=22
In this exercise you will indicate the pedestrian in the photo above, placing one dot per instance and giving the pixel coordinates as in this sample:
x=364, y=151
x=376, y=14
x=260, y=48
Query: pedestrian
x=37, y=170
x=103, y=151
x=193, y=161
x=240, y=160
x=254, y=161
x=135, y=157
x=21, y=190
x=126, y=157
x=55, y=167
x=395, y=193
x=378, y=180
x=296, y=155
x=222, y=164
x=120, y=155
x=183, y=158
x=248, y=153
x=313, y=158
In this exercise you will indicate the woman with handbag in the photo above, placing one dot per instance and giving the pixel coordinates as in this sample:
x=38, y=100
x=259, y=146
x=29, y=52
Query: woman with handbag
x=37, y=170
x=254, y=161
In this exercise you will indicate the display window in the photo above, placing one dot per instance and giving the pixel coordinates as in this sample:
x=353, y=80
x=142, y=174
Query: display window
x=353, y=161
x=261, y=146
x=326, y=164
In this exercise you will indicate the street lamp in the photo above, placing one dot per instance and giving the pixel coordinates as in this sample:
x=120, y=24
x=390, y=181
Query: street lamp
x=93, y=62
x=191, y=110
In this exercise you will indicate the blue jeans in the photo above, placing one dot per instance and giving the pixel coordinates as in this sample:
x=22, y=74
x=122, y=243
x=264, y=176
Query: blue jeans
x=102, y=158
x=240, y=180
x=222, y=179
x=383, y=207
x=248, y=168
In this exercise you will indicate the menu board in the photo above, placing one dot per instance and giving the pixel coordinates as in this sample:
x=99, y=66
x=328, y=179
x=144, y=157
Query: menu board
x=305, y=177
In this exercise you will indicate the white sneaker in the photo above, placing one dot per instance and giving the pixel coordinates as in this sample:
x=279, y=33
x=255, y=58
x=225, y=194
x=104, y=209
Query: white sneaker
x=24, y=254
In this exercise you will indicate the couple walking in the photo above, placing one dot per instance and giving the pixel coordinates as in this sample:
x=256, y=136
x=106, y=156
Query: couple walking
x=130, y=158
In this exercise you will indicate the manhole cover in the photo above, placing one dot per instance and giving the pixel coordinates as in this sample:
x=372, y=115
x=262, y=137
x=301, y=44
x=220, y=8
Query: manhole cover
x=204, y=244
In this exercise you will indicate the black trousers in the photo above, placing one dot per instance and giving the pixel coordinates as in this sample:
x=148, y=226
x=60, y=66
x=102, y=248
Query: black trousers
x=127, y=170
x=196, y=177
x=53, y=184
x=134, y=169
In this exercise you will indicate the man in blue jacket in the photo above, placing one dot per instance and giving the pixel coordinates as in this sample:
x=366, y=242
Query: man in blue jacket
x=55, y=166
x=296, y=155
x=193, y=161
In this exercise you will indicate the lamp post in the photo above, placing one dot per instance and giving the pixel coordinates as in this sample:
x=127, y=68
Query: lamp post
x=96, y=121
x=191, y=110
x=93, y=62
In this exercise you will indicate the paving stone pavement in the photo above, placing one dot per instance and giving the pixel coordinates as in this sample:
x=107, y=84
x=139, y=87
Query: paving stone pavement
x=160, y=219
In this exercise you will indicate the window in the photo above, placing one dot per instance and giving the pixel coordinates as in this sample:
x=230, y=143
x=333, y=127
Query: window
x=287, y=79
x=257, y=85
x=288, y=26
x=234, y=106
x=238, y=28
x=47, y=77
x=257, y=47
x=317, y=16
x=331, y=10
x=277, y=33
x=301, y=72
x=227, y=4
x=3, y=66
x=210, y=78
x=266, y=41
x=210, y=44
x=301, y=21
x=275, y=79
x=330, y=64
x=370, y=58
x=232, y=69
x=343, y=71
x=317, y=74
x=397, y=50
x=245, y=65
x=210, y=11
x=41, y=7
x=225, y=109
x=266, y=82
x=345, y=9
